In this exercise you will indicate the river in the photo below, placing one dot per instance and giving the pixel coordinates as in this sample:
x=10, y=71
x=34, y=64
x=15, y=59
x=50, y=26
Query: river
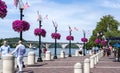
x=51, y=50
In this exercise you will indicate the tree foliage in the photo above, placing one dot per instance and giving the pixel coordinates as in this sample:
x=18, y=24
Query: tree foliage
x=108, y=26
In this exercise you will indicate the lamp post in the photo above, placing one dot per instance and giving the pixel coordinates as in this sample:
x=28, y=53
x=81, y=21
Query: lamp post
x=21, y=15
x=84, y=39
x=41, y=33
x=84, y=44
x=55, y=54
x=69, y=38
x=21, y=5
x=70, y=46
x=100, y=37
x=55, y=36
x=40, y=58
x=100, y=41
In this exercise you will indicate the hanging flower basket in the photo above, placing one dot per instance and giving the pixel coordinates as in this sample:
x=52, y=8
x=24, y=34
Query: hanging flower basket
x=97, y=41
x=55, y=35
x=26, y=25
x=103, y=42
x=40, y=32
x=84, y=39
x=70, y=38
x=20, y=25
x=3, y=9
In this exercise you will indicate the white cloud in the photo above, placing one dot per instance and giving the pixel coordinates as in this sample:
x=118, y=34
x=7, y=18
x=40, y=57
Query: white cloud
x=111, y=3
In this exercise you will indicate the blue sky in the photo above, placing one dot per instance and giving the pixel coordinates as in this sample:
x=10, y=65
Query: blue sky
x=82, y=14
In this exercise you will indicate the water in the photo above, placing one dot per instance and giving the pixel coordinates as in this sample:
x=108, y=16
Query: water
x=51, y=50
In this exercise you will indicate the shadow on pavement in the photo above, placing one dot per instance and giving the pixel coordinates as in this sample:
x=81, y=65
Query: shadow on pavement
x=36, y=65
x=28, y=71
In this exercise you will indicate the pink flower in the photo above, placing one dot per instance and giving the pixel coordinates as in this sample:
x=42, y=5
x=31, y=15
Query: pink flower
x=40, y=32
x=84, y=39
x=3, y=9
x=70, y=38
x=26, y=25
x=55, y=35
x=20, y=25
x=97, y=41
x=103, y=42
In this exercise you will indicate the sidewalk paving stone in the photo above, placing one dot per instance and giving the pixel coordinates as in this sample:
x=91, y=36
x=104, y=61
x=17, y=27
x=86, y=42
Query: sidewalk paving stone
x=107, y=65
x=59, y=65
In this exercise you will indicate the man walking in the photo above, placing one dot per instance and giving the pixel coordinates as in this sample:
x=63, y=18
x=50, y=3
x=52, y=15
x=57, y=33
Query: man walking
x=20, y=51
x=5, y=48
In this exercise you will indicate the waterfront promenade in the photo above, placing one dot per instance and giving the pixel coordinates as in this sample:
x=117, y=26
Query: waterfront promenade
x=60, y=65
x=107, y=65
x=66, y=65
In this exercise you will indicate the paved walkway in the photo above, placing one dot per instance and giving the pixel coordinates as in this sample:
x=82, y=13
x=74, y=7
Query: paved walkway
x=66, y=65
x=1, y=63
x=59, y=65
x=107, y=65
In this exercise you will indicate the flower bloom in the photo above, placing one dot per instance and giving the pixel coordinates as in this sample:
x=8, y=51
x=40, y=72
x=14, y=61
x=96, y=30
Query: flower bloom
x=84, y=39
x=20, y=25
x=97, y=41
x=40, y=32
x=103, y=42
x=55, y=35
x=70, y=38
x=3, y=9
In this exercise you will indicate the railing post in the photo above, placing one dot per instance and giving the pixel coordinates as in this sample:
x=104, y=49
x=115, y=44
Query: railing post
x=48, y=55
x=8, y=64
x=86, y=65
x=77, y=53
x=78, y=68
x=62, y=54
x=95, y=59
x=91, y=62
x=31, y=58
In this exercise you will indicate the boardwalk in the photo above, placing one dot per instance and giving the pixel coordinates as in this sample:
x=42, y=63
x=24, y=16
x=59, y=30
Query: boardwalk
x=59, y=65
x=107, y=65
x=66, y=65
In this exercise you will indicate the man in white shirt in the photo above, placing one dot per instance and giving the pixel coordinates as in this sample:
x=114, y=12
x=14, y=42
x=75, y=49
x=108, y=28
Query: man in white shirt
x=20, y=51
x=5, y=48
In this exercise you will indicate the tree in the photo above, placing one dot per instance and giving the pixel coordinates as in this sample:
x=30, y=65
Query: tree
x=108, y=26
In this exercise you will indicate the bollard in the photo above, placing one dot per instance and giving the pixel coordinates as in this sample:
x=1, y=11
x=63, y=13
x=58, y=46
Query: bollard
x=90, y=53
x=94, y=60
x=86, y=65
x=62, y=54
x=48, y=55
x=78, y=68
x=8, y=64
x=91, y=62
x=102, y=52
x=97, y=57
x=31, y=58
x=77, y=53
